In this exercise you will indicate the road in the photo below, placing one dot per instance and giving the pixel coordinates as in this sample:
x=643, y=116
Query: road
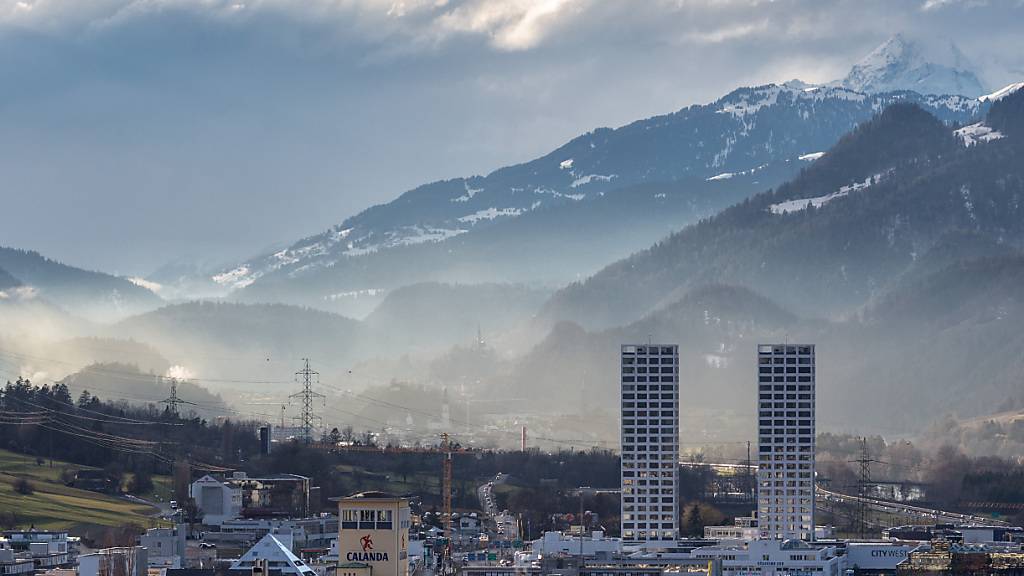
x=920, y=513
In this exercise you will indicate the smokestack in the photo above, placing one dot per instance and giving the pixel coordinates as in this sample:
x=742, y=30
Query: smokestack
x=524, y=439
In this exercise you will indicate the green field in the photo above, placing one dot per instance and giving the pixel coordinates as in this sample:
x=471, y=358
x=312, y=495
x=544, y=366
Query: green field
x=52, y=505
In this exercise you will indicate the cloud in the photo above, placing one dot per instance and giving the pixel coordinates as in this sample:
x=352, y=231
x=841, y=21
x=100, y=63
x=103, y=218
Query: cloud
x=19, y=293
x=226, y=128
x=937, y=4
x=512, y=25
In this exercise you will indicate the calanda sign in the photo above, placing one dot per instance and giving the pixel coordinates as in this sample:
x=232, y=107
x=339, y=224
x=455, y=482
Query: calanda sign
x=367, y=554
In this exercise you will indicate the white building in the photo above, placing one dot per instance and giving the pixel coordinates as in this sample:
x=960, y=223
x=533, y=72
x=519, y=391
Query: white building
x=592, y=545
x=786, y=428
x=122, y=561
x=650, y=443
x=774, y=557
x=217, y=500
x=165, y=546
x=876, y=557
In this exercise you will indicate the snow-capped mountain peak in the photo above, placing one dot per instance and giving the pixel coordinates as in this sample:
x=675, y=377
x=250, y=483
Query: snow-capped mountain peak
x=1002, y=92
x=900, y=63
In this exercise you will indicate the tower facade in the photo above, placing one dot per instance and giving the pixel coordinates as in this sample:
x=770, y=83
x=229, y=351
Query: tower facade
x=786, y=441
x=649, y=437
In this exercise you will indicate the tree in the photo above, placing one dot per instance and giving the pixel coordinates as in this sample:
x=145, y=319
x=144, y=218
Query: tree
x=693, y=521
x=141, y=482
x=191, y=513
x=335, y=436
x=23, y=487
x=84, y=399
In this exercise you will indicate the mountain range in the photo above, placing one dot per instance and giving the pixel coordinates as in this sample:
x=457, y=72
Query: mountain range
x=898, y=253
x=884, y=224
x=26, y=274
x=601, y=196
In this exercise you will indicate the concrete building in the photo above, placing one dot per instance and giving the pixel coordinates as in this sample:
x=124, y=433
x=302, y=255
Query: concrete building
x=786, y=436
x=593, y=545
x=165, y=546
x=122, y=561
x=305, y=535
x=942, y=558
x=374, y=535
x=277, y=496
x=45, y=548
x=773, y=557
x=217, y=500
x=650, y=443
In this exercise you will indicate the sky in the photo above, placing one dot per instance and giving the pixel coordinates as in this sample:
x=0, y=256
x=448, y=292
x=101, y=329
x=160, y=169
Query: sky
x=137, y=133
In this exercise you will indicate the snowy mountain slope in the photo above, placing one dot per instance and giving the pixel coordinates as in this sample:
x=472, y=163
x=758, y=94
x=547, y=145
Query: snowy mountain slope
x=827, y=242
x=89, y=294
x=751, y=129
x=902, y=64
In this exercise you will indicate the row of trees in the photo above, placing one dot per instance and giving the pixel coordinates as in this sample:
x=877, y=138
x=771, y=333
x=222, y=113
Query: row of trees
x=47, y=422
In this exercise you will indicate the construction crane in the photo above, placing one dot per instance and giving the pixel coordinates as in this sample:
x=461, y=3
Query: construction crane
x=446, y=490
x=447, y=450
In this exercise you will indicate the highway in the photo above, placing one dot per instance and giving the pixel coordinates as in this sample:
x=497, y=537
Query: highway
x=918, y=514
x=915, y=514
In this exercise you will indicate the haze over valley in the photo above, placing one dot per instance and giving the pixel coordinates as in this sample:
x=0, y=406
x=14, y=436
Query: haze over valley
x=874, y=208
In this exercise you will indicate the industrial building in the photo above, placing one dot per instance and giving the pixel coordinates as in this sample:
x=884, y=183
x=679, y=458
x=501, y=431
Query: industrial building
x=786, y=437
x=165, y=546
x=120, y=561
x=278, y=496
x=650, y=443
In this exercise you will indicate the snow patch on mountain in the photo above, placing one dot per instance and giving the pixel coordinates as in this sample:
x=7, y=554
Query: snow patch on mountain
x=975, y=133
x=489, y=214
x=470, y=192
x=154, y=287
x=355, y=294
x=790, y=206
x=751, y=103
x=583, y=180
x=722, y=176
x=239, y=277
x=565, y=164
x=1002, y=92
x=811, y=157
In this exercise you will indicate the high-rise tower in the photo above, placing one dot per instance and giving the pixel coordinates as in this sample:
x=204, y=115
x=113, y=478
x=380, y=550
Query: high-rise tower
x=786, y=436
x=650, y=442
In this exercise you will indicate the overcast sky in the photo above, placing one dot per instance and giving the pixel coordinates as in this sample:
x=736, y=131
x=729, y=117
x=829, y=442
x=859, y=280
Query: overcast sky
x=134, y=132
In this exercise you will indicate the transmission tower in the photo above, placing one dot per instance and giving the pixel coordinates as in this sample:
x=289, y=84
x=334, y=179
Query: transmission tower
x=863, y=485
x=173, y=401
x=307, y=421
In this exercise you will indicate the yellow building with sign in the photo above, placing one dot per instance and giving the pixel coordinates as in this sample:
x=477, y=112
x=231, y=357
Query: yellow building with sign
x=373, y=535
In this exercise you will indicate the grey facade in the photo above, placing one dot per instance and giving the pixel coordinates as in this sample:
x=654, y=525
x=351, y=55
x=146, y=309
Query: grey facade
x=650, y=442
x=786, y=436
